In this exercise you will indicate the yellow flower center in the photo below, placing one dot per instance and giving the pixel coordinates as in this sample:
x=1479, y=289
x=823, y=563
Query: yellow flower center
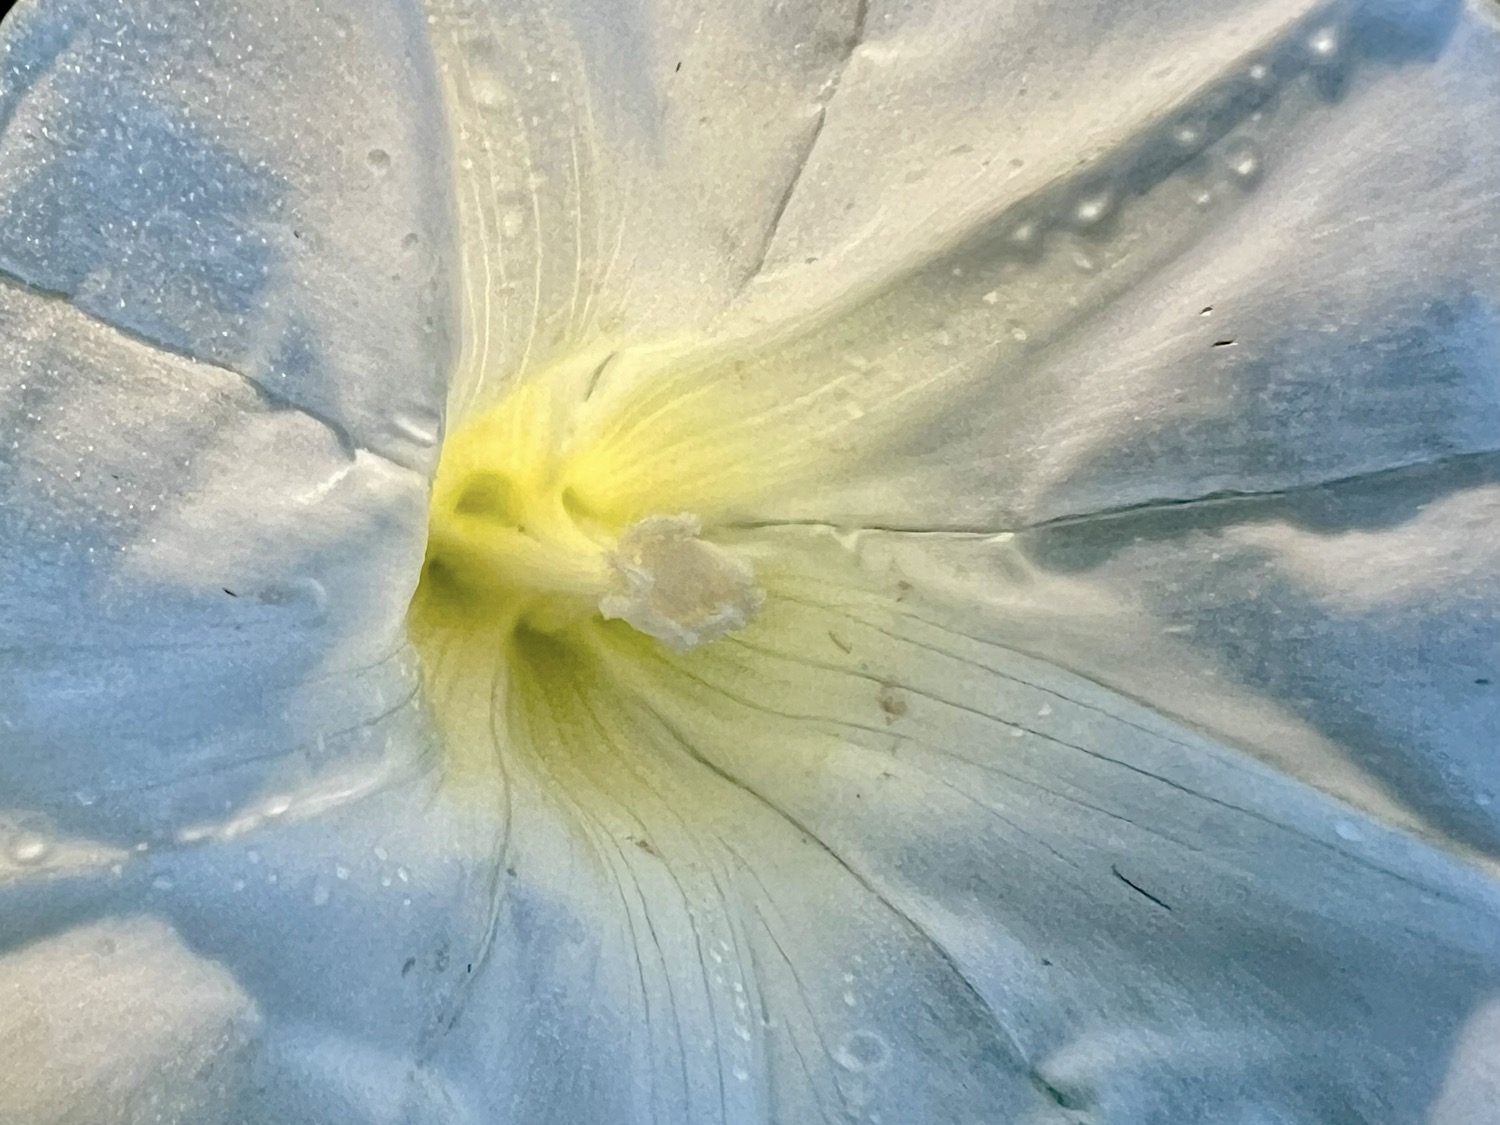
x=516, y=541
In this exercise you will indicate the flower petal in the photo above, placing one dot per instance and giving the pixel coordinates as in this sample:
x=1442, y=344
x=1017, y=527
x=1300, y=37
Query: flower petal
x=255, y=185
x=710, y=959
x=621, y=167
x=118, y=1021
x=1346, y=634
x=210, y=522
x=1052, y=357
x=1155, y=925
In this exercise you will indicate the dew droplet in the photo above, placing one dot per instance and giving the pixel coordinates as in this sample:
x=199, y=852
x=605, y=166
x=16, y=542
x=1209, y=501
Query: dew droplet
x=381, y=854
x=29, y=849
x=379, y=161
x=1323, y=44
x=421, y=431
x=1094, y=208
x=512, y=223
x=341, y=872
x=862, y=1050
x=850, y=1000
x=163, y=883
x=277, y=806
x=1244, y=162
x=1025, y=239
x=488, y=93
x=321, y=894
x=1347, y=830
x=252, y=855
x=1188, y=136
x=741, y=1074
x=304, y=594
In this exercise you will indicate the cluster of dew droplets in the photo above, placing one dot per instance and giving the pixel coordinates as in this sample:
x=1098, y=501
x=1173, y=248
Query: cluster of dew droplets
x=1216, y=144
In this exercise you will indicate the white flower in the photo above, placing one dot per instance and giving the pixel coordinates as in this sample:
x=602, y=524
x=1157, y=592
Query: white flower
x=962, y=580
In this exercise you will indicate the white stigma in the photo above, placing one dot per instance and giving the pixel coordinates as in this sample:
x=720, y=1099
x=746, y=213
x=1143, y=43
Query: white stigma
x=673, y=586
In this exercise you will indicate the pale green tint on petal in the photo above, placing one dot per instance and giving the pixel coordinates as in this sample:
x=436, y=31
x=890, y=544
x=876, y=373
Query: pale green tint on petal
x=118, y=1022
x=620, y=167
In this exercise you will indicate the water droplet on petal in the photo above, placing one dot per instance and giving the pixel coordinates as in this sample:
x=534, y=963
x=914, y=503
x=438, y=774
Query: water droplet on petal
x=29, y=849
x=862, y=1050
x=341, y=872
x=1347, y=830
x=304, y=594
x=163, y=883
x=488, y=93
x=321, y=894
x=741, y=1074
x=1025, y=239
x=1094, y=208
x=1244, y=162
x=381, y=854
x=1188, y=136
x=1323, y=44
